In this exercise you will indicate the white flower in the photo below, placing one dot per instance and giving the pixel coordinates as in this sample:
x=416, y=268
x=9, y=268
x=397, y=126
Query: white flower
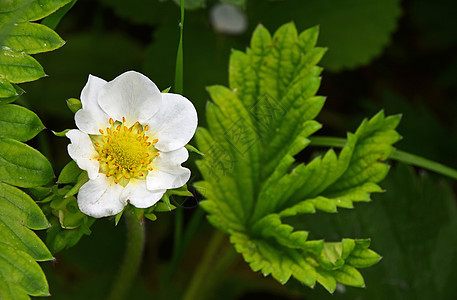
x=131, y=142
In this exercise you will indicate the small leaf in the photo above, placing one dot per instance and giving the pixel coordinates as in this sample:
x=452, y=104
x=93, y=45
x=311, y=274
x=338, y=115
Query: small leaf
x=18, y=92
x=19, y=123
x=6, y=89
x=23, y=166
x=70, y=173
x=348, y=275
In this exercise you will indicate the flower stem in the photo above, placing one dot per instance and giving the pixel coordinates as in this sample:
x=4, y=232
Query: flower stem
x=398, y=155
x=132, y=258
x=198, y=285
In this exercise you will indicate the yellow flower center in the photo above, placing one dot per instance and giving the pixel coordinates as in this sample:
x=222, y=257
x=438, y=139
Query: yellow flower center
x=125, y=152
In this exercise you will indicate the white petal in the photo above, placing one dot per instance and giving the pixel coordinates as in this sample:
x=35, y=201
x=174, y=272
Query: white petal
x=174, y=124
x=138, y=195
x=83, y=152
x=100, y=198
x=167, y=172
x=130, y=95
x=91, y=117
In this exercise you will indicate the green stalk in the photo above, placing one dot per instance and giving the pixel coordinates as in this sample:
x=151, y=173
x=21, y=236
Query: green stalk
x=179, y=56
x=189, y=233
x=398, y=155
x=197, y=287
x=132, y=257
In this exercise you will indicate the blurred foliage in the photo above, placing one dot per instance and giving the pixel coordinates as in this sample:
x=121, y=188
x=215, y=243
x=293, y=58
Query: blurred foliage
x=413, y=225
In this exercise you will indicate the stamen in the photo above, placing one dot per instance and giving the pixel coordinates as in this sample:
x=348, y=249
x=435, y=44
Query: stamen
x=125, y=154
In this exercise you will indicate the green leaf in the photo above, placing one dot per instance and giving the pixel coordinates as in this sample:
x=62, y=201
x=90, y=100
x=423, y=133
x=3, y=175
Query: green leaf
x=19, y=123
x=70, y=173
x=31, y=10
x=252, y=183
x=18, y=213
x=32, y=38
x=20, y=275
x=23, y=166
x=19, y=67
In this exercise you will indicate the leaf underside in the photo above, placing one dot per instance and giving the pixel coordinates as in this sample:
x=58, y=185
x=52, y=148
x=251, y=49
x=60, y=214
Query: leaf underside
x=252, y=182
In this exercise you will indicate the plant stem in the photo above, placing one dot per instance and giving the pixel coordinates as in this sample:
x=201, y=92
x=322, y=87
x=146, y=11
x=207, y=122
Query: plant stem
x=179, y=56
x=132, y=257
x=196, y=288
x=398, y=155
x=191, y=229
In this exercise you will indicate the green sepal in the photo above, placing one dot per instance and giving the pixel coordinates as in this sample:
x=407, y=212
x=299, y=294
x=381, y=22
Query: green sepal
x=82, y=179
x=61, y=133
x=151, y=216
x=74, y=104
x=118, y=216
x=69, y=173
x=191, y=148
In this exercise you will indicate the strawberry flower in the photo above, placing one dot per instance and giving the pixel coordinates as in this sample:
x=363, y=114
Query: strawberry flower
x=130, y=140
